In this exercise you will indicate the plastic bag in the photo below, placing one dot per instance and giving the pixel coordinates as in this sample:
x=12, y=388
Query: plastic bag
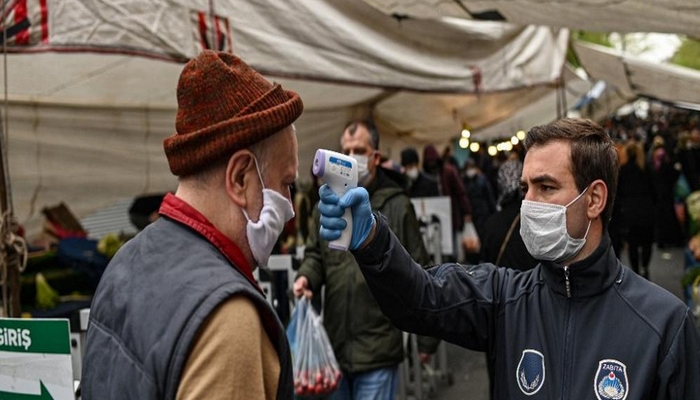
x=316, y=371
x=470, y=239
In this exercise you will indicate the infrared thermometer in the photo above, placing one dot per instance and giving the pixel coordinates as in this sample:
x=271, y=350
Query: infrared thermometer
x=340, y=173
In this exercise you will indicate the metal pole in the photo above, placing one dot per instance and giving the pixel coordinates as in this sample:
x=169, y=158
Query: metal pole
x=8, y=258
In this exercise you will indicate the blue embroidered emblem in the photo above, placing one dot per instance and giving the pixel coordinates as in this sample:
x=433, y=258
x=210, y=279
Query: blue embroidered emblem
x=530, y=373
x=611, y=380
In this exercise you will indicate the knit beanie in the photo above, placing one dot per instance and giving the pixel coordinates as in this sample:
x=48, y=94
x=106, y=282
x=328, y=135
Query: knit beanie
x=224, y=106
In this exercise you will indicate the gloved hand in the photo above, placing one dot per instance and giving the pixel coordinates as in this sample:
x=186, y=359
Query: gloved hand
x=332, y=210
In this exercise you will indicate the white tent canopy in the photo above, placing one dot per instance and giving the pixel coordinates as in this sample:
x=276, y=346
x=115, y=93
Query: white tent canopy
x=635, y=77
x=86, y=128
x=668, y=16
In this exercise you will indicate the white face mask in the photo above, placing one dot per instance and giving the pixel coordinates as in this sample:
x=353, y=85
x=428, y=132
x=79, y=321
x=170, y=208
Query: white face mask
x=263, y=234
x=543, y=229
x=362, y=170
x=412, y=173
x=471, y=172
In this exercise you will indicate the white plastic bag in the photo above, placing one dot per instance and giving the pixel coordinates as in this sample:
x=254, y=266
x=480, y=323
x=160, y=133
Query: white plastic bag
x=316, y=371
x=470, y=239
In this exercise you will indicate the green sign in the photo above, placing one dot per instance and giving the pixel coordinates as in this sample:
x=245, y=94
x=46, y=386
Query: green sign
x=48, y=336
x=35, y=359
x=44, y=395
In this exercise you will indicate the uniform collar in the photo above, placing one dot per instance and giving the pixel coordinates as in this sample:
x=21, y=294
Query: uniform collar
x=178, y=210
x=587, y=277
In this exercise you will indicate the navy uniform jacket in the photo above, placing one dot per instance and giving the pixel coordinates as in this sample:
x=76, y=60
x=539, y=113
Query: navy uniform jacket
x=594, y=330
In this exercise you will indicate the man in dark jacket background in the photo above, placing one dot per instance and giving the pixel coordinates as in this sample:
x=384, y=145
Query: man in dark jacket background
x=366, y=344
x=501, y=243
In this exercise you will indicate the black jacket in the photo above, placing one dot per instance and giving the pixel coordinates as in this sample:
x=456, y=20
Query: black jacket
x=592, y=330
x=515, y=254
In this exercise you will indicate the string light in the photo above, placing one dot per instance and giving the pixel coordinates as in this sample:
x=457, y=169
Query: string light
x=520, y=135
x=466, y=134
x=463, y=142
x=474, y=147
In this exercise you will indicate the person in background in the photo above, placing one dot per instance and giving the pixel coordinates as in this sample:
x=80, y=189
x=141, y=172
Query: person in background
x=421, y=184
x=615, y=224
x=688, y=155
x=178, y=314
x=449, y=184
x=481, y=198
x=578, y=325
x=502, y=244
x=669, y=231
x=367, y=346
x=448, y=157
x=635, y=194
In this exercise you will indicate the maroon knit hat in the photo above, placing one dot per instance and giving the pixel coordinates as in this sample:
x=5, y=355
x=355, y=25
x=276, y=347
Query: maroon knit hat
x=224, y=106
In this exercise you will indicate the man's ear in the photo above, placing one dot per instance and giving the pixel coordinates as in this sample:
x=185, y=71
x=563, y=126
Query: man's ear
x=237, y=181
x=377, y=158
x=599, y=198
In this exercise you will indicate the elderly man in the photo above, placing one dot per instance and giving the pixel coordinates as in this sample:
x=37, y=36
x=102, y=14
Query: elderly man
x=177, y=314
x=578, y=325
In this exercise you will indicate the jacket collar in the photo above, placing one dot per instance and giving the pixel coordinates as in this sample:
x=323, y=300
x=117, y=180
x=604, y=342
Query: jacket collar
x=587, y=277
x=178, y=210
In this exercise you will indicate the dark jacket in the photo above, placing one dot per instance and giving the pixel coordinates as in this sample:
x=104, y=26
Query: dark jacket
x=635, y=194
x=592, y=330
x=515, y=254
x=363, y=338
x=450, y=184
x=424, y=186
x=149, y=306
x=481, y=199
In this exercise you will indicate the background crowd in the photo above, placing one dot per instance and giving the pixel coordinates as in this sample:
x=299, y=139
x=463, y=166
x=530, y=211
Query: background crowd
x=660, y=168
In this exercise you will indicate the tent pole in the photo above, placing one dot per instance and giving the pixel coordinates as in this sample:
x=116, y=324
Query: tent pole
x=9, y=264
x=8, y=258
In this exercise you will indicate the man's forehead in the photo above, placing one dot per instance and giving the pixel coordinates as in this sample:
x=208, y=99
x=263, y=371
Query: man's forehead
x=547, y=163
x=360, y=138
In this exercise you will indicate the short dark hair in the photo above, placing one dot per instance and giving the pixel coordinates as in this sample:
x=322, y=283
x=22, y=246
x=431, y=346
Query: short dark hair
x=593, y=153
x=409, y=156
x=369, y=125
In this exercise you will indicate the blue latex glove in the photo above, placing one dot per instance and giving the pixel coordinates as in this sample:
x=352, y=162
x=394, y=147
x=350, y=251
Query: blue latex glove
x=332, y=209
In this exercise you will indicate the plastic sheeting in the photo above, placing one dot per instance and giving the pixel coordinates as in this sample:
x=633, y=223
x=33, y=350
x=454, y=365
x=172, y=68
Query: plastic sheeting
x=635, y=77
x=666, y=16
x=339, y=41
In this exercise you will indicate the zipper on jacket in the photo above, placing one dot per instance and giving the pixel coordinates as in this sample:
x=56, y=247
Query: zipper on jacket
x=568, y=283
x=566, y=356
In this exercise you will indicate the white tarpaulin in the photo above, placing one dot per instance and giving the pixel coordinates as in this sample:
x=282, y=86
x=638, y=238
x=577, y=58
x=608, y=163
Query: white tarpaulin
x=338, y=41
x=635, y=77
x=666, y=16
x=86, y=128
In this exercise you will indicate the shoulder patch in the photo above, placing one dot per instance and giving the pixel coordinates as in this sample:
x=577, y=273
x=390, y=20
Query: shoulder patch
x=531, y=372
x=611, y=380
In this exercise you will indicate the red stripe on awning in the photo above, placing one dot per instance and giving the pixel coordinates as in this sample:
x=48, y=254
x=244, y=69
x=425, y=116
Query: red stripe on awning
x=203, y=29
x=44, y=21
x=20, y=14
